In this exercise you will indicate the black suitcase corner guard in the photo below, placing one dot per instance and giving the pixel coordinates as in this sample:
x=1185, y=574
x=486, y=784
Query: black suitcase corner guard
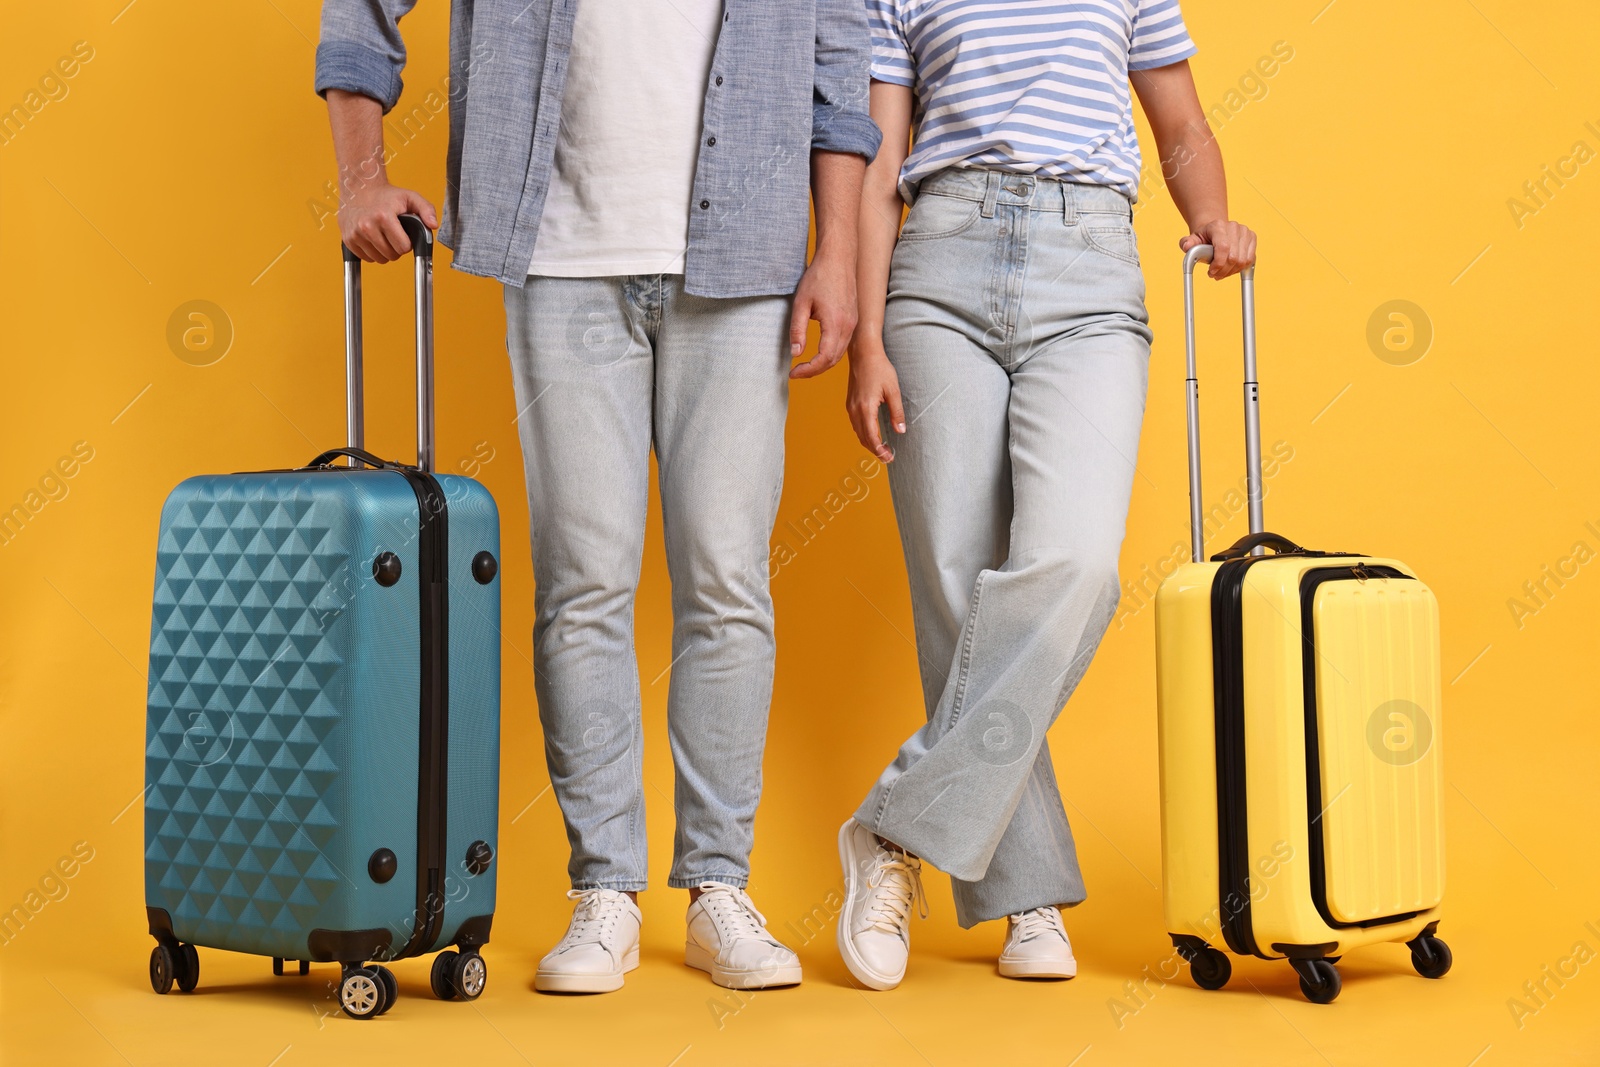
x=1305, y=952
x=160, y=925
x=474, y=933
x=346, y=946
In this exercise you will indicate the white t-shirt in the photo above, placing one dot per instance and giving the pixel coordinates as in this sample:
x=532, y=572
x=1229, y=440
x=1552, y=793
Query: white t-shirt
x=625, y=156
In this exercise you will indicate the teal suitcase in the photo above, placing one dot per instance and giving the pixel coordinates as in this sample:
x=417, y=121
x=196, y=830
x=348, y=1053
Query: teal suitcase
x=322, y=737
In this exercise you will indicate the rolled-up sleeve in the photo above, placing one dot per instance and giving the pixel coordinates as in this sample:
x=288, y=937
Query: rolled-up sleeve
x=361, y=50
x=840, y=120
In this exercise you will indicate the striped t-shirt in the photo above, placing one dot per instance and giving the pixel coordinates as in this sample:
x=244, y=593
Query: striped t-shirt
x=1028, y=86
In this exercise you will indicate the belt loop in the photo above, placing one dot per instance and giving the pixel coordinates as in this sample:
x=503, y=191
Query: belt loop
x=1069, y=205
x=991, y=192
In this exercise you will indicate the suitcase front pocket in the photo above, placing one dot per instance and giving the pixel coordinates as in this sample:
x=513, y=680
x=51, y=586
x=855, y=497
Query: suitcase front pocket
x=1372, y=744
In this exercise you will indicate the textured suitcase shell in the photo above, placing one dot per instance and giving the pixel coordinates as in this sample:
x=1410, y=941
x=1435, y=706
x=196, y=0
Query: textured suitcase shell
x=283, y=718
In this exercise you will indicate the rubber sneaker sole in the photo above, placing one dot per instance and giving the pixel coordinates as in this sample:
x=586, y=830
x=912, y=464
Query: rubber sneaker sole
x=701, y=959
x=1067, y=968
x=565, y=982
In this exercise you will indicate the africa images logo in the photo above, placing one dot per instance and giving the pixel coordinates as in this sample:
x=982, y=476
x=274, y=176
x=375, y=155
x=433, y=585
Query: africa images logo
x=1399, y=732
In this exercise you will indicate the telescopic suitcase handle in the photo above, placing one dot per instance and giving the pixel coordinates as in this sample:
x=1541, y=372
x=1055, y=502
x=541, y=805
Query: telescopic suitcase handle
x=1252, y=402
x=422, y=251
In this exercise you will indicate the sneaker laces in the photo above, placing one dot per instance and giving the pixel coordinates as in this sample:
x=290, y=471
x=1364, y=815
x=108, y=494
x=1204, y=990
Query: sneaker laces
x=594, y=917
x=1039, y=922
x=733, y=912
x=897, y=879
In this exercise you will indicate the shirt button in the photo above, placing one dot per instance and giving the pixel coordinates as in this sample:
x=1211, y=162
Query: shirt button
x=711, y=142
x=719, y=79
x=704, y=204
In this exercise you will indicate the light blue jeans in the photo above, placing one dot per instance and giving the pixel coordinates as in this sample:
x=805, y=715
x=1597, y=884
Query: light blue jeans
x=604, y=369
x=1017, y=326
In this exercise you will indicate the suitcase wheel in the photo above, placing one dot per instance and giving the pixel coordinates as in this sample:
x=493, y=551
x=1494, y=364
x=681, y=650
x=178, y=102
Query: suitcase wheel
x=188, y=968
x=439, y=976
x=364, y=993
x=1430, y=956
x=163, y=964
x=468, y=975
x=391, y=988
x=174, y=964
x=277, y=966
x=1319, y=979
x=1210, y=968
x=458, y=975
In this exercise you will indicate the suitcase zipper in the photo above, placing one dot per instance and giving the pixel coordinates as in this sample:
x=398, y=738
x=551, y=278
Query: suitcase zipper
x=1233, y=823
x=1227, y=674
x=433, y=702
x=433, y=710
x=1310, y=582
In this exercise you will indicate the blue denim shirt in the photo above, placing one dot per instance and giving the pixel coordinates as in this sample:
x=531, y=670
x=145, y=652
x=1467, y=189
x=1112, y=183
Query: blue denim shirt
x=787, y=76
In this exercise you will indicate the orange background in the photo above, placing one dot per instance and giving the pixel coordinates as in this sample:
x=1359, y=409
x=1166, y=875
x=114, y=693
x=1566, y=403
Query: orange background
x=185, y=159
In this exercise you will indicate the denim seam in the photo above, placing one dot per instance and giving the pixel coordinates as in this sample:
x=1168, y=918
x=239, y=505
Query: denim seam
x=1034, y=203
x=685, y=882
x=991, y=193
x=1017, y=269
x=1090, y=236
x=994, y=296
x=913, y=561
x=635, y=834
x=958, y=700
x=621, y=885
x=967, y=224
x=883, y=806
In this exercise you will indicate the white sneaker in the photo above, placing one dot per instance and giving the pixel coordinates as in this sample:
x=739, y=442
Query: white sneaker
x=880, y=886
x=728, y=939
x=601, y=945
x=1037, y=946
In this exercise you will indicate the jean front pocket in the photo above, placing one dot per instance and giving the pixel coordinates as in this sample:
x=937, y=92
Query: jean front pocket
x=935, y=215
x=1115, y=239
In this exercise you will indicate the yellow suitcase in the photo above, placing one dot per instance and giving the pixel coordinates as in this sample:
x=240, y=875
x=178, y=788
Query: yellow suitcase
x=1299, y=704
